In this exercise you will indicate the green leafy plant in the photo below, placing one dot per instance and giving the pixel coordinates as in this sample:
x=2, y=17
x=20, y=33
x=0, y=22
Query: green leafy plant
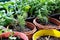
x=43, y=18
x=8, y=18
x=4, y=19
x=45, y=6
x=21, y=8
x=39, y=9
x=21, y=21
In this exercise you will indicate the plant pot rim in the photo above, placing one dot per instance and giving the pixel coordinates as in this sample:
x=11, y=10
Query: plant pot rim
x=28, y=24
x=30, y=17
x=33, y=30
x=54, y=14
x=19, y=34
x=53, y=20
x=50, y=32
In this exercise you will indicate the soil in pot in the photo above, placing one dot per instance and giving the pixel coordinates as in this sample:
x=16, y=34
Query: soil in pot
x=48, y=38
x=18, y=28
x=43, y=25
x=28, y=27
x=49, y=23
x=28, y=30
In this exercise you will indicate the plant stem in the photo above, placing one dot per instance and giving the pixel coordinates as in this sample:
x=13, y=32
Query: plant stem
x=47, y=38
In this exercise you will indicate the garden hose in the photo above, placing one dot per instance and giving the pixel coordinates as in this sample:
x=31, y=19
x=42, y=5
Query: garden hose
x=49, y=32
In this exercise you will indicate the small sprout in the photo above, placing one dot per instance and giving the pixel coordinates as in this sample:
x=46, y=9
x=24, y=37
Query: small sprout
x=12, y=38
x=10, y=30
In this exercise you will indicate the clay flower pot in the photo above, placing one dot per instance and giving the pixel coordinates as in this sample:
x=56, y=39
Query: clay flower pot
x=31, y=26
x=49, y=26
x=52, y=32
x=56, y=15
x=30, y=32
x=19, y=34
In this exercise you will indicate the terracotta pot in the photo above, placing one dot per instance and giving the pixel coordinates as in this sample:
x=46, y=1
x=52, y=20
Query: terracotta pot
x=56, y=15
x=33, y=29
x=53, y=20
x=31, y=26
x=7, y=34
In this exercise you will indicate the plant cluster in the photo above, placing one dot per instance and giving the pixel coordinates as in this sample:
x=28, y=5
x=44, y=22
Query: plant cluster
x=19, y=10
x=43, y=8
x=16, y=13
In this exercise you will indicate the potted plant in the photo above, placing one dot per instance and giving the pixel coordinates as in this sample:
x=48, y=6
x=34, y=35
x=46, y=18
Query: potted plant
x=46, y=7
x=55, y=24
x=18, y=23
x=23, y=26
x=50, y=34
x=24, y=6
x=43, y=13
x=56, y=12
x=7, y=34
x=56, y=15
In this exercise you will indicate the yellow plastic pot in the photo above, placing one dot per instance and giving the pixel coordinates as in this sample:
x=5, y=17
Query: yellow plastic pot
x=51, y=32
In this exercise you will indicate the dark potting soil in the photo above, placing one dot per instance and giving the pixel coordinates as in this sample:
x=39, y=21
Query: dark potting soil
x=9, y=39
x=48, y=38
x=49, y=23
x=18, y=28
x=26, y=29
